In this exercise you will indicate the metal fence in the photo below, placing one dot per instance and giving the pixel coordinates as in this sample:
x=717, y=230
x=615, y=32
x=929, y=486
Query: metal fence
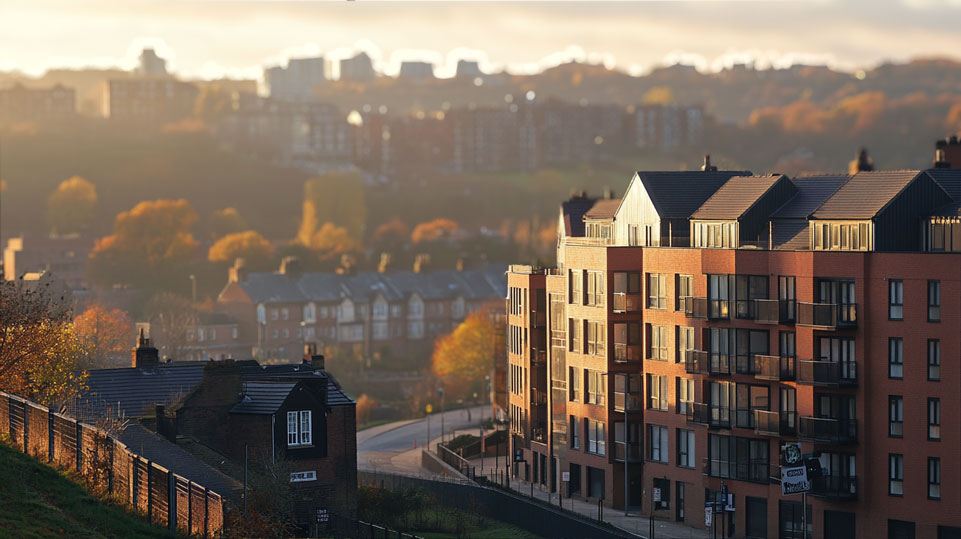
x=110, y=468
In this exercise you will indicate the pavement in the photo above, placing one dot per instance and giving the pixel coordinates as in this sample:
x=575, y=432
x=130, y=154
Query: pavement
x=396, y=448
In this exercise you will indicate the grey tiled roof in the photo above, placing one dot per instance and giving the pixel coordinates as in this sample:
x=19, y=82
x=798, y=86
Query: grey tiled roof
x=263, y=397
x=572, y=213
x=132, y=391
x=676, y=195
x=791, y=234
x=735, y=197
x=603, y=209
x=335, y=394
x=863, y=196
x=812, y=192
x=272, y=288
x=949, y=180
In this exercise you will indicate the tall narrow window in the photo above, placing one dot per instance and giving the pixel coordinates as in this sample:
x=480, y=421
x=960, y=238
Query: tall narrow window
x=685, y=448
x=934, y=301
x=896, y=299
x=785, y=287
x=305, y=428
x=574, y=383
x=895, y=357
x=656, y=291
x=895, y=474
x=685, y=394
x=576, y=283
x=657, y=392
x=934, y=478
x=934, y=419
x=685, y=343
x=684, y=292
x=575, y=433
x=934, y=359
x=657, y=342
x=657, y=444
x=895, y=416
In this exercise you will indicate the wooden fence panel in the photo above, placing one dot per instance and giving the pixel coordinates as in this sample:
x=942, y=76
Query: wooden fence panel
x=159, y=492
x=182, y=487
x=198, y=510
x=38, y=432
x=215, y=513
x=4, y=415
x=64, y=442
x=122, y=469
x=17, y=422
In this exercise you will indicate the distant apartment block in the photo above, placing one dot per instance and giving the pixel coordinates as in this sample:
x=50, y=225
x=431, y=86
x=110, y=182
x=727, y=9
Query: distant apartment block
x=705, y=319
x=468, y=68
x=416, y=71
x=665, y=128
x=151, y=65
x=297, y=80
x=149, y=101
x=64, y=256
x=19, y=103
x=357, y=68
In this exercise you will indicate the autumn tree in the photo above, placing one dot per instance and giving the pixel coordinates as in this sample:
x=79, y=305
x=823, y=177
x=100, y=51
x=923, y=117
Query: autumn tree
x=332, y=241
x=365, y=406
x=338, y=198
x=249, y=245
x=72, y=206
x=391, y=233
x=148, y=242
x=39, y=354
x=433, y=230
x=465, y=356
x=104, y=335
x=171, y=317
x=225, y=221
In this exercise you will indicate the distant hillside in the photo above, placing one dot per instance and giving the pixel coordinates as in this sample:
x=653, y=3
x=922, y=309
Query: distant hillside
x=38, y=502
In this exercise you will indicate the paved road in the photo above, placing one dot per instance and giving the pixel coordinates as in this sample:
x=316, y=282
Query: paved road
x=391, y=447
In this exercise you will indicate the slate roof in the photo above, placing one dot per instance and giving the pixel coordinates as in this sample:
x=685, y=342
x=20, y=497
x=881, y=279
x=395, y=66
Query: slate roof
x=272, y=288
x=335, y=394
x=949, y=180
x=676, y=195
x=603, y=209
x=572, y=213
x=735, y=197
x=791, y=234
x=812, y=192
x=131, y=391
x=214, y=319
x=263, y=397
x=863, y=196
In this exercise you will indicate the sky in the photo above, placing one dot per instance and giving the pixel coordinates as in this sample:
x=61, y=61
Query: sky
x=217, y=38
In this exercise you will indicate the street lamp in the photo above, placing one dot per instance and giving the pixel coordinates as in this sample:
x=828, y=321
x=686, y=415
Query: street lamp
x=193, y=288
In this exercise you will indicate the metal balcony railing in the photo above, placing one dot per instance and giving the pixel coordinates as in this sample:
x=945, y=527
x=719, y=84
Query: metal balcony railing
x=624, y=353
x=745, y=364
x=627, y=303
x=774, y=423
x=842, y=487
x=817, y=315
x=634, y=451
x=696, y=361
x=774, y=311
x=539, y=434
x=776, y=368
x=702, y=413
x=538, y=356
x=628, y=402
x=827, y=373
x=719, y=364
x=827, y=430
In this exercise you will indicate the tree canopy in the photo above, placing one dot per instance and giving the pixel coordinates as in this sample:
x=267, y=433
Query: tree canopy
x=332, y=241
x=465, y=356
x=249, y=245
x=338, y=198
x=225, y=221
x=433, y=230
x=72, y=206
x=104, y=334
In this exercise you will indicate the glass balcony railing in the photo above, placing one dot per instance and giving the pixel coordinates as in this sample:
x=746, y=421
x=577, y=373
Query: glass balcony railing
x=634, y=451
x=817, y=315
x=827, y=373
x=696, y=362
x=827, y=430
x=627, y=303
x=695, y=307
x=774, y=311
x=624, y=353
x=702, y=413
x=774, y=423
x=628, y=402
x=842, y=487
x=774, y=368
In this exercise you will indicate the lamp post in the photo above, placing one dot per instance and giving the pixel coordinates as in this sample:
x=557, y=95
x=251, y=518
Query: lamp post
x=193, y=287
x=440, y=393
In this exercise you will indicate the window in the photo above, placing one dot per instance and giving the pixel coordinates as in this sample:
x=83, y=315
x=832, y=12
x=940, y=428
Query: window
x=596, y=338
x=718, y=292
x=722, y=341
x=934, y=301
x=298, y=428
x=934, y=478
x=576, y=332
x=895, y=416
x=596, y=441
x=574, y=383
x=657, y=445
x=575, y=433
x=934, y=359
x=656, y=291
x=748, y=399
x=683, y=293
x=576, y=283
x=934, y=419
x=722, y=394
x=310, y=313
x=749, y=342
x=273, y=314
x=785, y=293
x=895, y=474
x=285, y=314
x=627, y=341
x=286, y=333
x=595, y=289
x=738, y=458
x=657, y=342
x=895, y=357
x=685, y=343
x=233, y=333
x=596, y=388
x=201, y=334
x=685, y=394
x=685, y=448
x=896, y=299
x=657, y=392
x=747, y=289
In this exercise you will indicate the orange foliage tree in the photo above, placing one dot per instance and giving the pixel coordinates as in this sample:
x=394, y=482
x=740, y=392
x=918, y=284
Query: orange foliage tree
x=393, y=231
x=332, y=241
x=249, y=245
x=104, y=335
x=225, y=221
x=465, y=356
x=365, y=405
x=433, y=230
x=72, y=206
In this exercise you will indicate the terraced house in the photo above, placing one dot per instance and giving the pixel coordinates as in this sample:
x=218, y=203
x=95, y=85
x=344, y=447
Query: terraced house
x=705, y=319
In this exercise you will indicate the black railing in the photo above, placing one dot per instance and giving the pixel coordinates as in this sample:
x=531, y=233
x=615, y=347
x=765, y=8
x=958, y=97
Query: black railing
x=627, y=303
x=827, y=430
x=817, y=315
x=696, y=361
x=776, y=368
x=843, y=487
x=774, y=423
x=827, y=373
x=624, y=353
x=702, y=413
x=628, y=402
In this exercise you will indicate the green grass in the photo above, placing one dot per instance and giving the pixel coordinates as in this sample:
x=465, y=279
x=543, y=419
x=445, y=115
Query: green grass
x=446, y=523
x=38, y=501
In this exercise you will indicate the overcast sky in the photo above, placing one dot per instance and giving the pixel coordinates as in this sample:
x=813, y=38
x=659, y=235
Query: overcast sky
x=210, y=39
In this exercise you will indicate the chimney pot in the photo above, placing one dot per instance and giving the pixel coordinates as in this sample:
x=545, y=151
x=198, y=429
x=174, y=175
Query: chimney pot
x=144, y=355
x=707, y=166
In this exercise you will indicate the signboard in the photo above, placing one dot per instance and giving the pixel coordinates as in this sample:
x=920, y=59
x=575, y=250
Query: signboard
x=300, y=477
x=708, y=514
x=657, y=495
x=322, y=516
x=729, y=503
x=791, y=453
x=565, y=476
x=429, y=408
x=794, y=480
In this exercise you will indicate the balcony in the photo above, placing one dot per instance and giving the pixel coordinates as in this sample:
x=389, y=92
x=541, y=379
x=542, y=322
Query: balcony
x=837, y=487
x=719, y=364
x=695, y=307
x=773, y=311
x=539, y=319
x=774, y=368
x=539, y=434
x=628, y=402
x=624, y=352
x=774, y=423
x=745, y=364
x=828, y=431
x=847, y=315
x=627, y=303
x=817, y=315
x=718, y=309
x=634, y=451
x=702, y=413
x=827, y=373
x=696, y=361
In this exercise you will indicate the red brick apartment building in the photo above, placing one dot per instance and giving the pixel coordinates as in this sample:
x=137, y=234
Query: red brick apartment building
x=705, y=319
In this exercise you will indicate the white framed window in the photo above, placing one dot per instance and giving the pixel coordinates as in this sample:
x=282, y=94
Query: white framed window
x=273, y=314
x=233, y=333
x=299, y=424
x=895, y=474
x=285, y=313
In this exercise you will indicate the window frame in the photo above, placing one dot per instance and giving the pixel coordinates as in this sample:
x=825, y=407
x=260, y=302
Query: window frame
x=896, y=358
x=895, y=474
x=934, y=419
x=934, y=477
x=895, y=416
x=934, y=359
x=934, y=300
x=895, y=299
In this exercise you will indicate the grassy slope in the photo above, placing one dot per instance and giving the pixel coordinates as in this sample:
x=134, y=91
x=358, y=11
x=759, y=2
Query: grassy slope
x=38, y=501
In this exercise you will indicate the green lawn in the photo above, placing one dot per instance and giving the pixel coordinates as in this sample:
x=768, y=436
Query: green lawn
x=38, y=501
x=447, y=523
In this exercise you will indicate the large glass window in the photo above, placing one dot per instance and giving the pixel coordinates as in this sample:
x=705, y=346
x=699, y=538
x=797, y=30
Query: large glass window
x=934, y=419
x=685, y=394
x=657, y=392
x=656, y=291
x=745, y=459
x=934, y=301
x=718, y=292
x=685, y=448
x=657, y=443
x=934, y=359
x=895, y=474
x=299, y=428
x=596, y=439
x=896, y=299
x=683, y=293
x=657, y=342
x=895, y=416
x=934, y=478
x=895, y=357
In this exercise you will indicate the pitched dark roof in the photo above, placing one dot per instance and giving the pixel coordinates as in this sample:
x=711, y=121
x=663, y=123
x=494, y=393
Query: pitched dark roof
x=952, y=209
x=335, y=394
x=863, y=196
x=272, y=288
x=812, y=192
x=791, y=234
x=263, y=397
x=214, y=319
x=949, y=179
x=131, y=391
x=572, y=213
x=603, y=209
x=676, y=195
x=735, y=197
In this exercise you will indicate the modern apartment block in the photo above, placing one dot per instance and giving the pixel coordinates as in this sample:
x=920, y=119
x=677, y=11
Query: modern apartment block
x=705, y=319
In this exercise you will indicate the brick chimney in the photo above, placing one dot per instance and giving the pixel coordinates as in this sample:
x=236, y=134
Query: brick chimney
x=861, y=163
x=421, y=263
x=290, y=266
x=947, y=153
x=238, y=272
x=707, y=166
x=312, y=357
x=385, y=261
x=144, y=356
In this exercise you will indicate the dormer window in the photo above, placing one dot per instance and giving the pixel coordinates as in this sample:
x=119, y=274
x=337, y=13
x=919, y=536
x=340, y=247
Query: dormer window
x=843, y=236
x=299, y=428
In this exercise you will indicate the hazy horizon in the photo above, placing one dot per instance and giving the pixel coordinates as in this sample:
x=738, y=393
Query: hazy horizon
x=237, y=39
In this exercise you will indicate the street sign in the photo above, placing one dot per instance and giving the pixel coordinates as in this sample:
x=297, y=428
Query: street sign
x=791, y=453
x=794, y=480
x=708, y=514
x=322, y=516
x=565, y=476
x=657, y=495
x=429, y=408
x=729, y=503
